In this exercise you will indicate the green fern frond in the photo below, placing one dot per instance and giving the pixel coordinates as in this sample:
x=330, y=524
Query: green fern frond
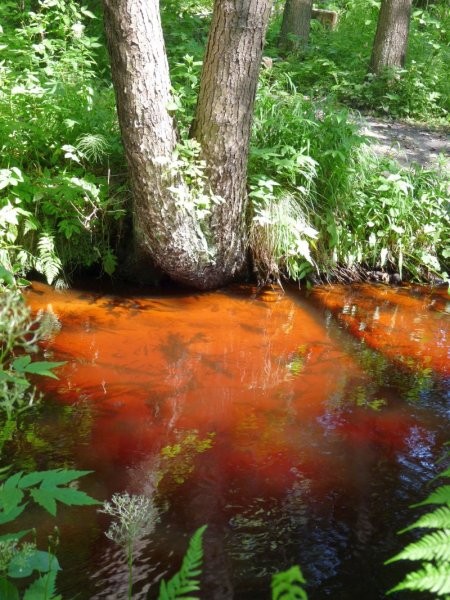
x=432, y=578
x=288, y=585
x=445, y=473
x=433, y=549
x=47, y=262
x=440, y=496
x=434, y=546
x=186, y=580
x=437, y=519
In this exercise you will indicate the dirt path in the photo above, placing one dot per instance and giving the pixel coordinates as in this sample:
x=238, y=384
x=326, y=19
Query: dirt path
x=408, y=143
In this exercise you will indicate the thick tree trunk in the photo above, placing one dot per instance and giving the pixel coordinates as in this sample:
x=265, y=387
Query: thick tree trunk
x=296, y=24
x=391, y=38
x=223, y=122
x=211, y=251
x=163, y=229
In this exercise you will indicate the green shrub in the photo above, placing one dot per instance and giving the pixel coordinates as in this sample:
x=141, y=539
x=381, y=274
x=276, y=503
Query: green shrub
x=58, y=206
x=21, y=559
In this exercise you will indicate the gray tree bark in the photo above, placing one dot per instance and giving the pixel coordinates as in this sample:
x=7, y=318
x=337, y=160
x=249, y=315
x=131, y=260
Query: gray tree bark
x=208, y=252
x=296, y=24
x=223, y=120
x=391, y=38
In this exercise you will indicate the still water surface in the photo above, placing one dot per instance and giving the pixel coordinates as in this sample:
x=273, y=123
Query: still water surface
x=298, y=427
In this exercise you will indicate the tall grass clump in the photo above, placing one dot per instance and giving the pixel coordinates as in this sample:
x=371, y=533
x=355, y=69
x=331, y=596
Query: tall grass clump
x=59, y=142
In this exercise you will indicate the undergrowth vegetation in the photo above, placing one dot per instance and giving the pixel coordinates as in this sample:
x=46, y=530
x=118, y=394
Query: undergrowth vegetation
x=59, y=143
x=322, y=205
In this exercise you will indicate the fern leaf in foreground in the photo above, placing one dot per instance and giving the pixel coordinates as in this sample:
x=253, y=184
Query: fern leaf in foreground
x=429, y=578
x=434, y=546
x=433, y=549
x=186, y=580
x=437, y=519
x=288, y=585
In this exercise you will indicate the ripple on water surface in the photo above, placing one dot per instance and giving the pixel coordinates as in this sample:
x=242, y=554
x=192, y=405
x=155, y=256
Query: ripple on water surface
x=299, y=428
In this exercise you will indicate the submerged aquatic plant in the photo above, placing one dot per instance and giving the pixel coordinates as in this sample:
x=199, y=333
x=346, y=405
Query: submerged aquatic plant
x=134, y=517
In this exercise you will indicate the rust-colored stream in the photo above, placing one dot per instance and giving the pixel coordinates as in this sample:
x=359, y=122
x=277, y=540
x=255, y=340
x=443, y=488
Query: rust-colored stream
x=299, y=428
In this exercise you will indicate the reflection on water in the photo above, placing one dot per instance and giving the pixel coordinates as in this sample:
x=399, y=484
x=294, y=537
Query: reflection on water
x=300, y=429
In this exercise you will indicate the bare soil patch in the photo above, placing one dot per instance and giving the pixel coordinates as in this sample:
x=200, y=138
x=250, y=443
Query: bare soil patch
x=408, y=143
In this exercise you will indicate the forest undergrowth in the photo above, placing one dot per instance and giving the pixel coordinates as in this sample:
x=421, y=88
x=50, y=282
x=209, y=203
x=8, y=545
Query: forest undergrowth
x=323, y=206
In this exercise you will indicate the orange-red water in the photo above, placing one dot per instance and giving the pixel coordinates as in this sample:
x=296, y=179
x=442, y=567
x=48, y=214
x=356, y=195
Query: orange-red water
x=300, y=429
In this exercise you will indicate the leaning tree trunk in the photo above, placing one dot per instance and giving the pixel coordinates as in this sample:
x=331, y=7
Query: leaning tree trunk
x=296, y=24
x=391, y=38
x=223, y=122
x=207, y=252
x=164, y=230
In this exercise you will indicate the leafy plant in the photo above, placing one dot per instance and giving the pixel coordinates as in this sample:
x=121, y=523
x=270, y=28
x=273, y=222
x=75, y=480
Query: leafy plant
x=185, y=581
x=20, y=559
x=432, y=549
x=288, y=585
x=55, y=172
x=134, y=518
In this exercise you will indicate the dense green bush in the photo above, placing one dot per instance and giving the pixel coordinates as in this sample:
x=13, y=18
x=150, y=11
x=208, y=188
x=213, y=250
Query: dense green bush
x=366, y=211
x=57, y=202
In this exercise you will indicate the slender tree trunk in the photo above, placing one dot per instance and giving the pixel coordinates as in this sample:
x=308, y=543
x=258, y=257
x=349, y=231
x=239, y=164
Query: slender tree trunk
x=391, y=38
x=296, y=24
x=223, y=121
x=210, y=252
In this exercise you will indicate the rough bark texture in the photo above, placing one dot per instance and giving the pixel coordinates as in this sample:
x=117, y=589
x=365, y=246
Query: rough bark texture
x=163, y=229
x=210, y=253
x=223, y=122
x=391, y=38
x=296, y=24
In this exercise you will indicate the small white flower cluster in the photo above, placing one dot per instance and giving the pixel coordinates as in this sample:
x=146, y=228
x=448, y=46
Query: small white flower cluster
x=134, y=517
x=77, y=30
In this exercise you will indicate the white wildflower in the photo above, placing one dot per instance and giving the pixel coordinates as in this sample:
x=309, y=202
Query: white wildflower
x=134, y=517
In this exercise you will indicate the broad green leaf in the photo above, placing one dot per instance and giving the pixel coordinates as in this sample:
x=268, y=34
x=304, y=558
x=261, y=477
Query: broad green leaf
x=10, y=498
x=7, y=517
x=32, y=479
x=8, y=591
x=43, y=588
x=57, y=477
x=20, y=363
x=45, y=498
x=23, y=565
x=6, y=276
x=74, y=497
x=18, y=535
x=43, y=368
x=12, y=481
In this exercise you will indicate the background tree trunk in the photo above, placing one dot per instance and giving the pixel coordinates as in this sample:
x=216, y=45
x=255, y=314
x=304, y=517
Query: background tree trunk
x=296, y=24
x=391, y=38
x=223, y=122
